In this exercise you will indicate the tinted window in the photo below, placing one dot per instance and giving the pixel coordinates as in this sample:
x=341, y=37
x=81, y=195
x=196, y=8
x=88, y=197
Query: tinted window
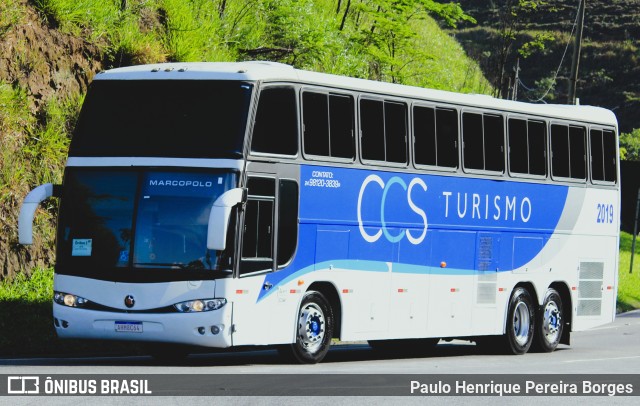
x=384, y=131
x=276, y=126
x=257, y=242
x=603, y=155
x=435, y=133
x=568, y=151
x=483, y=140
x=473, y=141
x=372, y=127
x=527, y=147
x=287, y=220
x=163, y=118
x=328, y=125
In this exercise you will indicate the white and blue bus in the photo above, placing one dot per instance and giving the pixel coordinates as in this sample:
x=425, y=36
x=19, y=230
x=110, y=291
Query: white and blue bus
x=234, y=204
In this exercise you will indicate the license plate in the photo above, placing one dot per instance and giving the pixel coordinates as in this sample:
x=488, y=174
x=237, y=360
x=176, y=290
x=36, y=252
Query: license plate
x=129, y=326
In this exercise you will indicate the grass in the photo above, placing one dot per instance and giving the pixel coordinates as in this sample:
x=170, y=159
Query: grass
x=27, y=323
x=628, y=283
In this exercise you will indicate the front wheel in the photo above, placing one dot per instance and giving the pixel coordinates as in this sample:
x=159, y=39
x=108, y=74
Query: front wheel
x=550, y=324
x=520, y=322
x=314, y=330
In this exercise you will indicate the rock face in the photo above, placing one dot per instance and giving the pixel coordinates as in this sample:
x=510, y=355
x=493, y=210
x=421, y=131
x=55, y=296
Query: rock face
x=44, y=62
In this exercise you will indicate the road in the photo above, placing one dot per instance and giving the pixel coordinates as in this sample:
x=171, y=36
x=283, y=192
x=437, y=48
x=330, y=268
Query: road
x=611, y=349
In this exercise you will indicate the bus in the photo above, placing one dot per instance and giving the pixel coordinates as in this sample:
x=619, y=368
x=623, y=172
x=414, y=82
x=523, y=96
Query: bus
x=255, y=204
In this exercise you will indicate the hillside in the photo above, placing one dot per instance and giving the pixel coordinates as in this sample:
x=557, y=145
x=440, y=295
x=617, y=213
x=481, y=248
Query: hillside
x=51, y=49
x=609, y=70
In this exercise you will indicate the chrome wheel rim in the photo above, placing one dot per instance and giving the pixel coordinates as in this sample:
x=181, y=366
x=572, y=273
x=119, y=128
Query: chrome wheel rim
x=551, y=322
x=311, y=327
x=521, y=323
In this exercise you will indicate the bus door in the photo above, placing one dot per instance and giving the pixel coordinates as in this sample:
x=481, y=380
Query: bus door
x=264, y=311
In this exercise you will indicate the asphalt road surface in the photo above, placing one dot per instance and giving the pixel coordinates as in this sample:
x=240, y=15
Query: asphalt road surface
x=610, y=349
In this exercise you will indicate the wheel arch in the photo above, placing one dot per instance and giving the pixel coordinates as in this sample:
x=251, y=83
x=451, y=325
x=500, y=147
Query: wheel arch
x=329, y=291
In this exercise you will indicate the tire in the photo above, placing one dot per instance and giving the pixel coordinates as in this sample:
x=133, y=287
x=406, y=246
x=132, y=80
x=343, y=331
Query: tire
x=314, y=330
x=520, y=322
x=550, y=323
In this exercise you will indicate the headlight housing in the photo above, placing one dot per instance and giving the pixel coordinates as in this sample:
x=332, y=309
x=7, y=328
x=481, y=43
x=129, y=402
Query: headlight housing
x=200, y=305
x=67, y=299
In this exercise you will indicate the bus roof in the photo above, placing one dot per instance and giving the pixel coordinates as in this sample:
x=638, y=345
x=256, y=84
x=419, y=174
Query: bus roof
x=273, y=71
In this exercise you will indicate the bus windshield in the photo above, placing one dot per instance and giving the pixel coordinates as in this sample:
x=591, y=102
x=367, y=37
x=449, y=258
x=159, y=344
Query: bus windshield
x=163, y=118
x=146, y=225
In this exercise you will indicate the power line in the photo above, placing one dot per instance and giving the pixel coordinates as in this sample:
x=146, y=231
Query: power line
x=555, y=76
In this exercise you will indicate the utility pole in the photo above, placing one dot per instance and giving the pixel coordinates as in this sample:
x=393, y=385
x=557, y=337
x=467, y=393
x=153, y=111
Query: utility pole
x=516, y=80
x=575, y=62
x=635, y=232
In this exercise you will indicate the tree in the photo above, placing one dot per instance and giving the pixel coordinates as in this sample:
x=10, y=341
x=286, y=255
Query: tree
x=386, y=29
x=630, y=145
x=511, y=16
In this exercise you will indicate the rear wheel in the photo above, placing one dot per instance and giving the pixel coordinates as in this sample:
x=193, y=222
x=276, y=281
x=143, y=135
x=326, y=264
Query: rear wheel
x=520, y=322
x=314, y=330
x=550, y=323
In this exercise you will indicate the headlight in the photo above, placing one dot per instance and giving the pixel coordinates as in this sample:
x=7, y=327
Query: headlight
x=67, y=299
x=200, y=305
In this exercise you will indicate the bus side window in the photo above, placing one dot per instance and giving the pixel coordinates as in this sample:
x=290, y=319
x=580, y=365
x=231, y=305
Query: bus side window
x=384, y=131
x=597, y=155
x=424, y=133
x=560, y=151
x=328, y=125
x=518, y=146
x=447, y=137
x=341, y=126
x=610, y=155
x=276, y=124
x=472, y=141
x=603, y=155
x=578, y=152
x=537, y=140
x=527, y=147
x=493, y=143
x=287, y=220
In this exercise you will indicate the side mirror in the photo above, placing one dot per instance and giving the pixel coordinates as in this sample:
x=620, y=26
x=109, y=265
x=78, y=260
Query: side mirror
x=28, y=210
x=219, y=218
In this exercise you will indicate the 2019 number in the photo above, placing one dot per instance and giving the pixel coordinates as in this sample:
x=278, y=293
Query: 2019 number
x=605, y=213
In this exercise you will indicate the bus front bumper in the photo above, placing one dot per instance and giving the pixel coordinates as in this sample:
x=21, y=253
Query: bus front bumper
x=206, y=329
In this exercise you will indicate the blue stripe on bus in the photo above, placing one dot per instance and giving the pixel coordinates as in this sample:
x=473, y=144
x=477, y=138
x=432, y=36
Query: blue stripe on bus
x=363, y=220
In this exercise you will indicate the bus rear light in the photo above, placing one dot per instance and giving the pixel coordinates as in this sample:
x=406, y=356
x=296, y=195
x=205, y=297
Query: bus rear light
x=200, y=305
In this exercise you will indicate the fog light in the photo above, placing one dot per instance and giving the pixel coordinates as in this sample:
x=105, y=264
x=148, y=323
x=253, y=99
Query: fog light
x=201, y=330
x=215, y=330
x=65, y=324
x=56, y=322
